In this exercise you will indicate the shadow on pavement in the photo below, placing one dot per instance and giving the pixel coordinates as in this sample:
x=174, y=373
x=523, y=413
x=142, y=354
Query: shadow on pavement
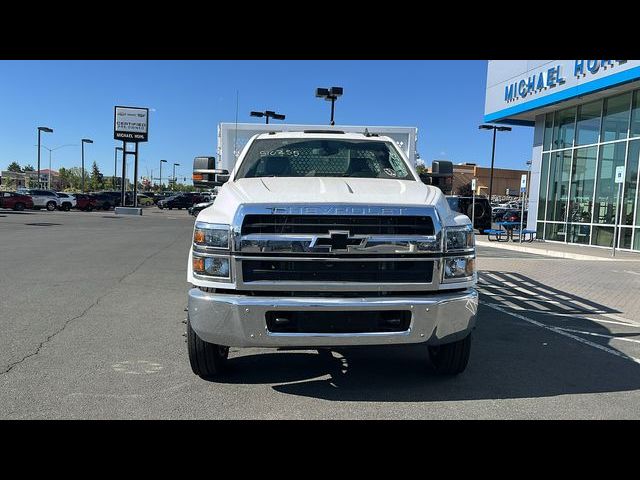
x=510, y=358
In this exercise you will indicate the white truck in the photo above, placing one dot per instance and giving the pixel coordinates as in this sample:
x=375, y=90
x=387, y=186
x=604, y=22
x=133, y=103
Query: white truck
x=325, y=238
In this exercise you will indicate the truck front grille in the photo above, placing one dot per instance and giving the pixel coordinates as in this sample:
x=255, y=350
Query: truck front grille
x=386, y=321
x=321, y=224
x=383, y=272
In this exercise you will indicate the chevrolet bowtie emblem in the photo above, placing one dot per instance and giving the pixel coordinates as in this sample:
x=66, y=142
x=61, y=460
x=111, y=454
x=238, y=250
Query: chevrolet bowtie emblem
x=337, y=241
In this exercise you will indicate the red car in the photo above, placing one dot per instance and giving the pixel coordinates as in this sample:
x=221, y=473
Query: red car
x=84, y=202
x=16, y=201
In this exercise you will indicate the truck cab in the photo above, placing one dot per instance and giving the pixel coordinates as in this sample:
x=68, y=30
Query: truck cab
x=325, y=239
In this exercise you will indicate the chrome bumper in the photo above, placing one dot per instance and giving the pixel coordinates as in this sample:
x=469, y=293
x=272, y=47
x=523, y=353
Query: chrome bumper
x=239, y=320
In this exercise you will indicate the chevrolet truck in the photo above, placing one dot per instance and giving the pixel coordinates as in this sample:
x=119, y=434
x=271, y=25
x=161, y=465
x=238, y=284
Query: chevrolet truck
x=328, y=238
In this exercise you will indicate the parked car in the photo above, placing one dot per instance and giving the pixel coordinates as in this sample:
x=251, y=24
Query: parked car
x=15, y=201
x=67, y=201
x=102, y=201
x=115, y=198
x=512, y=216
x=482, y=217
x=198, y=207
x=43, y=199
x=161, y=196
x=180, y=201
x=144, y=200
x=84, y=202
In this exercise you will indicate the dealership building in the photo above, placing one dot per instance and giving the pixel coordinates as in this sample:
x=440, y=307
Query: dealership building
x=585, y=116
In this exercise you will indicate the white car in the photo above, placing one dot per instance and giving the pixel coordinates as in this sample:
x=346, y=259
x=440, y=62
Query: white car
x=67, y=201
x=43, y=199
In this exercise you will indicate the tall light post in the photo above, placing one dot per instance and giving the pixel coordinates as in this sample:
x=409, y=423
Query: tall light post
x=493, y=151
x=115, y=166
x=84, y=140
x=46, y=130
x=331, y=94
x=268, y=114
x=174, y=175
x=51, y=150
x=161, y=162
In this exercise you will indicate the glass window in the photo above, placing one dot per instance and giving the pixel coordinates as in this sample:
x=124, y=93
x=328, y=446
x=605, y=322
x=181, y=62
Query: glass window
x=636, y=240
x=611, y=156
x=555, y=231
x=548, y=124
x=625, y=238
x=559, y=170
x=583, y=175
x=579, y=234
x=602, y=236
x=563, y=128
x=540, y=230
x=630, y=183
x=588, y=124
x=635, y=115
x=615, y=118
x=544, y=177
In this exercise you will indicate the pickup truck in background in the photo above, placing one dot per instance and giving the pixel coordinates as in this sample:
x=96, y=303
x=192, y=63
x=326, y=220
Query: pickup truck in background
x=326, y=238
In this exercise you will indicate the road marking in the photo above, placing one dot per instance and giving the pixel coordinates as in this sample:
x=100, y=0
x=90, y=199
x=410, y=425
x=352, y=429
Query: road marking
x=137, y=367
x=563, y=333
x=577, y=316
x=613, y=337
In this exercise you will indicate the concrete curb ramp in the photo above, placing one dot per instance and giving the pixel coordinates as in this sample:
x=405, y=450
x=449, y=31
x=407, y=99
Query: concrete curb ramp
x=553, y=253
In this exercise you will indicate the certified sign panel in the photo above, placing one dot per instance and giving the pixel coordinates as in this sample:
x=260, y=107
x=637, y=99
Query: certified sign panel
x=131, y=124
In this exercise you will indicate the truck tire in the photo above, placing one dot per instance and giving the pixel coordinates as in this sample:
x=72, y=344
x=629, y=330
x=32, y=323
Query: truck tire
x=451, y=358
x=207, y=360
x=51, y=206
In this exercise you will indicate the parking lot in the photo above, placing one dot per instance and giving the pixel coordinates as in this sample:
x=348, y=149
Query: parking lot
x=92, y=309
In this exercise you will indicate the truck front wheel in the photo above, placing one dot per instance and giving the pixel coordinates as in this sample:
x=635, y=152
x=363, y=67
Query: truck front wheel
x=451, y=358
x=207, y=360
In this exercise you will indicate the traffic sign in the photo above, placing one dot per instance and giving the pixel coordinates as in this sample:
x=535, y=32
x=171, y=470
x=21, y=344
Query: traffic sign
x=619, y=174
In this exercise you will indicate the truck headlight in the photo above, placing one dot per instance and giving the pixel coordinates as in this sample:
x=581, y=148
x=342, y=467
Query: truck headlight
x=459, y=238
x=459, y=268
x=212, y=266
x=212, y=235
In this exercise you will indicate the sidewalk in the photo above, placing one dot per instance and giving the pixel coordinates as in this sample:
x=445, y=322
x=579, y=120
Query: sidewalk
x=561, y=250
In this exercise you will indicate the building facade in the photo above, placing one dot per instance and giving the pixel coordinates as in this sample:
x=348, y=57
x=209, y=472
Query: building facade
x=585, y=116
x=506, y=182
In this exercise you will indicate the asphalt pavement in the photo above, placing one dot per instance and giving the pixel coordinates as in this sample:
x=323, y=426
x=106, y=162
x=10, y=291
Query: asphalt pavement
x=92, y=309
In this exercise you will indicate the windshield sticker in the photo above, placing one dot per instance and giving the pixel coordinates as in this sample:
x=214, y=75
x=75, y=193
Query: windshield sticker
x=280, y=153
x=390, y=171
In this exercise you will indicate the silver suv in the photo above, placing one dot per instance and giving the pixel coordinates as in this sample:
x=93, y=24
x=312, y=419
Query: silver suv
x=43, y=199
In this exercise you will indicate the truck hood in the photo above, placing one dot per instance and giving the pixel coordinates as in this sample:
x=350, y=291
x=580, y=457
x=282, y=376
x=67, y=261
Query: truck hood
x=279, y=190
x=332, y=190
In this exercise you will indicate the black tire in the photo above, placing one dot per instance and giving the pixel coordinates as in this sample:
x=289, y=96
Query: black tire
x=51, y=206
x=207, y=360
x=66, y=207
x=106, y=206
x=451, y=358
x=18, y=207
x=170, y=208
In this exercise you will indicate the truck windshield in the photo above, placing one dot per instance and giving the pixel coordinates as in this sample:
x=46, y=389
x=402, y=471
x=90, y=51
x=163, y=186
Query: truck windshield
x=323, y=158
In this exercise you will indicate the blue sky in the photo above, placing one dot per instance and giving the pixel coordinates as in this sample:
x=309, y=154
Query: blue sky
x=444, y=99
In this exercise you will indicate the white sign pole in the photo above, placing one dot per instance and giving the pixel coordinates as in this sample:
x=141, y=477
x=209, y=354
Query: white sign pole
x=473, y=203
x=619, y=178
x=523, y=189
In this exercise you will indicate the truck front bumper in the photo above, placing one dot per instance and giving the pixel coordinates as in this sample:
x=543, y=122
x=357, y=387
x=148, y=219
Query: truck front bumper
x=240, y=320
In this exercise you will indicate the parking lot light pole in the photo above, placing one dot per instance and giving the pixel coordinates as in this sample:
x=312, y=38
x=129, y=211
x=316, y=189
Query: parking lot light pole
x=84, y=140
x=330, y=94
x=173, y=187
x=268, y=114
x=115, y=166
x=493, y=151
x=161, y=162
x=51, y=150
x=46, y=130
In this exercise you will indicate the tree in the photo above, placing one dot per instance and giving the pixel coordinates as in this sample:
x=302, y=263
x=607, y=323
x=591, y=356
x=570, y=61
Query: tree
x=29, y=168
x=96, y=177
x=14, y=167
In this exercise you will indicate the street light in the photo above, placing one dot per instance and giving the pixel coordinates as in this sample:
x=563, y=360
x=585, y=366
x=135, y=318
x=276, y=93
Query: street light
x=84, y=140
x=115, y=165
x=268, y=114
x=161, y=162
x=330, y=94
x=46, y=130
x=493, y=151
x=173, y=187
x=51, y=150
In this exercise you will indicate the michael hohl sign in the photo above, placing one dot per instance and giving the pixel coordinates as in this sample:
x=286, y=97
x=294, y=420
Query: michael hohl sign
x=131, y=124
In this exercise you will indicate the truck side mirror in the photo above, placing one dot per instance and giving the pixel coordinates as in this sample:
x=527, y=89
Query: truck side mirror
x=222, y=177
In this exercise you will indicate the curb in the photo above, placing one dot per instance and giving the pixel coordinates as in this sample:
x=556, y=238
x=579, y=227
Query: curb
x=552, y=253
